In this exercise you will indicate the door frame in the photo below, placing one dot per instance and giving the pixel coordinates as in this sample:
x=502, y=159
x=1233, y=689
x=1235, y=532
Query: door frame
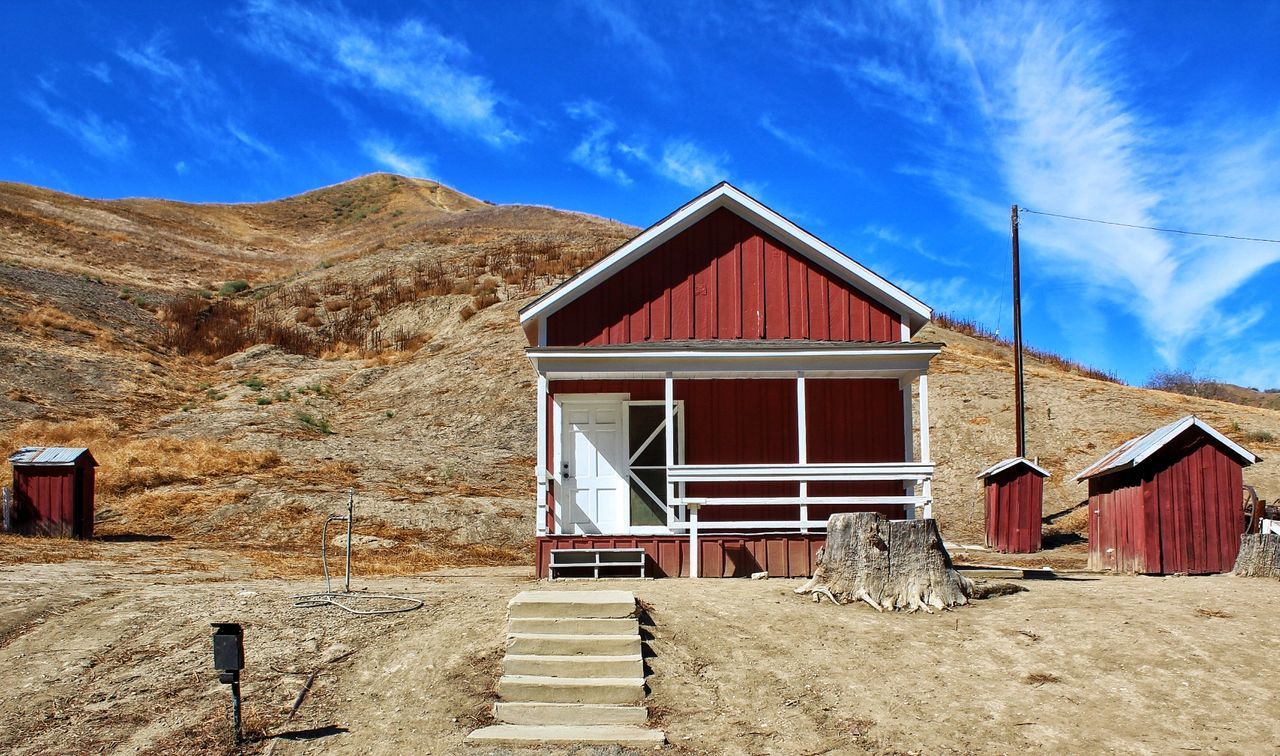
x=562, y=499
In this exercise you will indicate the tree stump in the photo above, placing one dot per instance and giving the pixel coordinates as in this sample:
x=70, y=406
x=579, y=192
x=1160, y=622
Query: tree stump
x=898, y=565
x=1259, y=555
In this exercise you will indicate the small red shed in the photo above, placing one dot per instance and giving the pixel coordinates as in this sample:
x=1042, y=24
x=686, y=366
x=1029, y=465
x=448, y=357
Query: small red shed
x=1015, y=499
x=1168, y=502
x=53, y=491
x=717, y=387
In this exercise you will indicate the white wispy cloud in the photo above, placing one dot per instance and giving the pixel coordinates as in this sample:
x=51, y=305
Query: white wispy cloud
x=414, y=64
x=383, y=151
x=102, y=137
x=895, y=238
x=957, y=295
x=100, y=71
x=596, y=150
x=193, y=98
x=1031, y=103
x=691, y=165
x=604, y=152
x=622, y=20
x=794, y=141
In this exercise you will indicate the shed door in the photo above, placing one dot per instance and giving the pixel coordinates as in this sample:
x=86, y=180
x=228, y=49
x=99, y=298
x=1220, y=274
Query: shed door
x=593, y=465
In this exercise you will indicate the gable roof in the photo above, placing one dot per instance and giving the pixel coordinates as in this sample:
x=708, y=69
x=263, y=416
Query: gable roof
x=1011, y=462
x=1135, y=451
x=724, y=195
x=52, y=456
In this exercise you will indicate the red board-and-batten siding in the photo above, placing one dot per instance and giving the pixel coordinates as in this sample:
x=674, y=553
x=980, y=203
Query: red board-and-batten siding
x=54, y=500
x=1014, y=509
x=722, y=278
x=1178, y=512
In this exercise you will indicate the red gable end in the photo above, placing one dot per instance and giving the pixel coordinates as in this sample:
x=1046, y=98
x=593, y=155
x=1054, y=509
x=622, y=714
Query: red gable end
x=722, y=278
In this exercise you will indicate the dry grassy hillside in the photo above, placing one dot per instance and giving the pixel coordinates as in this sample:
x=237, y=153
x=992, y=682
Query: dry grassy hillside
x=378, y=349
x=146, y=243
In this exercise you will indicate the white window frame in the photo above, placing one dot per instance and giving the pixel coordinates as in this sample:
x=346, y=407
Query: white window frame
x=679, y=421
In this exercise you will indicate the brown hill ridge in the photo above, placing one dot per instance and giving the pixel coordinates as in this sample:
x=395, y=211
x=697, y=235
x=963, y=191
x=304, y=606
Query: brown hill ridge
x=398, y=368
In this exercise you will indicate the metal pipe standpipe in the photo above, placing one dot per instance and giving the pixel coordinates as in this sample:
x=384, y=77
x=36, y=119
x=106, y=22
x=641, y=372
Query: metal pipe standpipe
x=228, y=659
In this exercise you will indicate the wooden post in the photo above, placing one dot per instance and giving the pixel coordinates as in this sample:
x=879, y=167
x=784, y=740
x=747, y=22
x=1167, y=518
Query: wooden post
x=693, y=538
x=540, y=525
x=927, y=485
x=802, y=451
x=669, y=407
x=1019, y=402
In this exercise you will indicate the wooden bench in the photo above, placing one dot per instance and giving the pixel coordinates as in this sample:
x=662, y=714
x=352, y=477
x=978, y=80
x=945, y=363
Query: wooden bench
x=597, y=563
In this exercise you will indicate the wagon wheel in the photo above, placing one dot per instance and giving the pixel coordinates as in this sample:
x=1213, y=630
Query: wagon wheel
x=1253, y=509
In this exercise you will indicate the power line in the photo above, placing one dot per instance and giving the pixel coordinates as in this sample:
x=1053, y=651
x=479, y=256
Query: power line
x=1151, y=228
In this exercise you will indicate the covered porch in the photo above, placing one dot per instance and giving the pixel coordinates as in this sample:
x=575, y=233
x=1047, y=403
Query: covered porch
x=721, y=458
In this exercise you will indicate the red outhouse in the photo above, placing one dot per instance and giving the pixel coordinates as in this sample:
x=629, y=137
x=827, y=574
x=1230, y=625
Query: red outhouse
x=717, y=387
x=1168, y=502
x=53, y=491
x=1015, y=499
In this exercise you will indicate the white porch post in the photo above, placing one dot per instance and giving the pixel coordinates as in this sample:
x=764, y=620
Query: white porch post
x=540, y=523
x=693, y=539
x=802, y=436
x=909, y=441
x=927, y=488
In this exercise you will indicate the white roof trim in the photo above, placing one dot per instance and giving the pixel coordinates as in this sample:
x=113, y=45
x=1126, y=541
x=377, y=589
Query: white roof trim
x=1135, y=451
x=911, y=310
x=1005, y=464
x=888, y=361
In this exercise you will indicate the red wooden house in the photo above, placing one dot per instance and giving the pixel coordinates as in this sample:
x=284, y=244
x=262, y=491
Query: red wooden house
x=53, y=491
x=1014, y=491
x=1168, y=502
x=714, y=389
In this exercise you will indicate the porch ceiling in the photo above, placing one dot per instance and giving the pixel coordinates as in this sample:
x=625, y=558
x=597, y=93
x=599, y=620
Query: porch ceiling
x=735, y=359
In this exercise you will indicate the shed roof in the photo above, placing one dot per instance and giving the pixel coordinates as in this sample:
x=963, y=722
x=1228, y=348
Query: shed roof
x=912, y=311
x=50, y=456
x=1011, y=462
x=1135, y=451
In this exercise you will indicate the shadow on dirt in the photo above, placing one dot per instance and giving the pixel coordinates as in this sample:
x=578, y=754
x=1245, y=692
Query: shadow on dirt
x=315, y=733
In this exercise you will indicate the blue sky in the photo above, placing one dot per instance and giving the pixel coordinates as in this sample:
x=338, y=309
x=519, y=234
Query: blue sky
x=899, y=132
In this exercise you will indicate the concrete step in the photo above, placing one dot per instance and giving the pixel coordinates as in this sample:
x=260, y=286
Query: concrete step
x=575, y=625
x=596, y=690
x=572, y=604
x=507, y=712
x=554, y=644
x=624, y=735
x=546, y=665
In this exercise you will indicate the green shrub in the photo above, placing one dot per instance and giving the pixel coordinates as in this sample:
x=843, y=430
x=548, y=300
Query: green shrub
x=255, y=383
x=315, y=421
x=263, y=401
x=231, y=288
x=1260, y=437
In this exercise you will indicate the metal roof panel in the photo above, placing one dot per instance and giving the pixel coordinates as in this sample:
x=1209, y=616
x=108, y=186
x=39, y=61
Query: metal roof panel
x=1134, y=451
x=51, y=455
x=1005, y=464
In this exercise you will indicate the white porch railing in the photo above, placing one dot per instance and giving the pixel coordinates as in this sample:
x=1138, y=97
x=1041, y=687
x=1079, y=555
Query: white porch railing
x=684, y=514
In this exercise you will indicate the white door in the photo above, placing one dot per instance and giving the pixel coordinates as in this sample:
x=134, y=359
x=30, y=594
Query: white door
x=593, y=466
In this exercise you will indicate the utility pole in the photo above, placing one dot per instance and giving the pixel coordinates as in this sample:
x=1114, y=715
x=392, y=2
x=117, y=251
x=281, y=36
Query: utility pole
x=1018, y=399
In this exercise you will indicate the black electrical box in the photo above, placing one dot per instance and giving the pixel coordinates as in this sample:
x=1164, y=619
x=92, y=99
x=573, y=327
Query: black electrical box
x=228, y=647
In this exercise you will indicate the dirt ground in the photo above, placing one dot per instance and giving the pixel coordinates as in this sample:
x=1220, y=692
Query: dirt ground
x=111, y=655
